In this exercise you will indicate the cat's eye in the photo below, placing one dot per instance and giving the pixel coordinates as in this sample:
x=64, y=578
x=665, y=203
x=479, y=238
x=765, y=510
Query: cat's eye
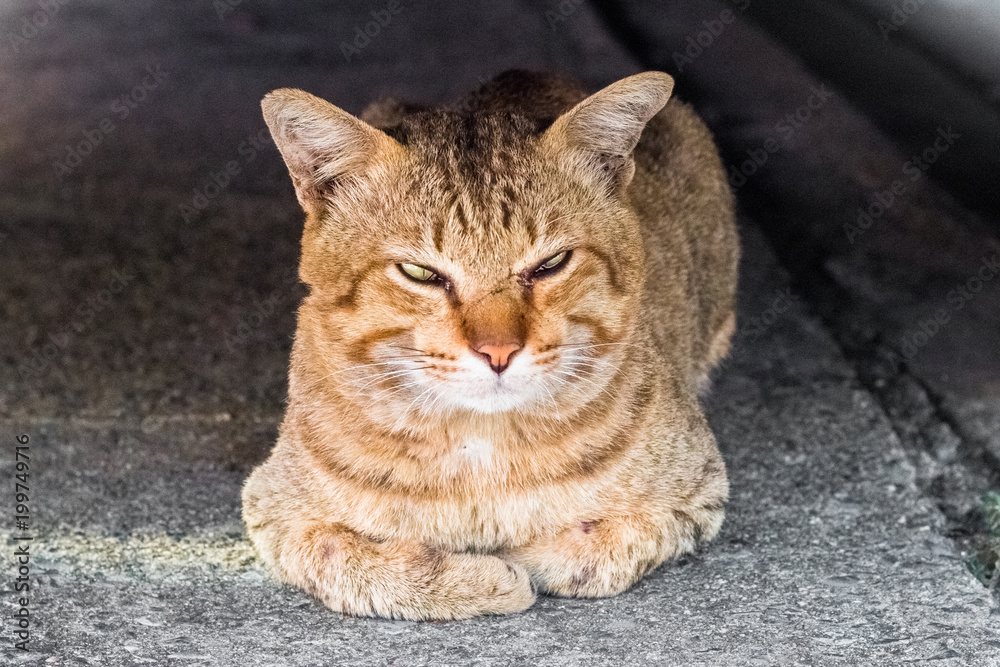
x=551, y=264
x=419, y=273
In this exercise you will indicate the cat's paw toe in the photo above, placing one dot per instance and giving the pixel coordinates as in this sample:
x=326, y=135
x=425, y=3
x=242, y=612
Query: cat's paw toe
x=511, y=590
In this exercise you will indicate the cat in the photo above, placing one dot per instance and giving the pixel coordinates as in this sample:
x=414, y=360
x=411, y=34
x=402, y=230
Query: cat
x=513, y=304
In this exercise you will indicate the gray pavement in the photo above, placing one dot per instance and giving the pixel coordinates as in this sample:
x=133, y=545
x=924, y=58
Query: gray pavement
x=145, y=351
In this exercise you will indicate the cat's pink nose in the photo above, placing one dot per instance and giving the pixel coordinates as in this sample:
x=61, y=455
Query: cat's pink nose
x=498, y=356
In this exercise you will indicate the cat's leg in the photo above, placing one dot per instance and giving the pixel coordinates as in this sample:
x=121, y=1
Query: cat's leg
x=604, y=557
x=394, y=579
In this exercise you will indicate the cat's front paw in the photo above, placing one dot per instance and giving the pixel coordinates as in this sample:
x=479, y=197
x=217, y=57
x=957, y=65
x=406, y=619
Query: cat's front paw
x=605, y=557
x=477, y=584
x=406, y=579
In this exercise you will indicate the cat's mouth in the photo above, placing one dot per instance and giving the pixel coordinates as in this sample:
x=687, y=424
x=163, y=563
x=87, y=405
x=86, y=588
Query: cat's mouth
x=530, y=383
x=481, y=390
x=489, y=395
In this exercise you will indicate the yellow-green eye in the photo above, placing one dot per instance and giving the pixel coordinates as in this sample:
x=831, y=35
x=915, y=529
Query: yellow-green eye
x=419, y=273
x=553, y=262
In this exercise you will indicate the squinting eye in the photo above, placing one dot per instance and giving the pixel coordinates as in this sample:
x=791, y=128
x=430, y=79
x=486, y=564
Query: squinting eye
x=552, y=263
x=419, y=273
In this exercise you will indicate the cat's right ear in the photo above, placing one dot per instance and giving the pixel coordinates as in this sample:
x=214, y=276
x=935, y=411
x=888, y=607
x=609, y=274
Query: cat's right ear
x=604, y=129
x=323, y=146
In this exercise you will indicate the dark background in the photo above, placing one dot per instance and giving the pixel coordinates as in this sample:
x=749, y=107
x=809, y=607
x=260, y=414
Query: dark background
x=148, y=252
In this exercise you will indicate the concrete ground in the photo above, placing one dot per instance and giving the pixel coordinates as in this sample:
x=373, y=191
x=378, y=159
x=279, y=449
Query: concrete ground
x=148, y=306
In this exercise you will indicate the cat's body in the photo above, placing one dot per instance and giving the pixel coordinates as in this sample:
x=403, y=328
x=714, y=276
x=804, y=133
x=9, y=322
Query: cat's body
x=408, y=483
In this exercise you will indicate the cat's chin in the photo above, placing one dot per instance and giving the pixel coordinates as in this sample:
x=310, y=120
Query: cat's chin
x=501, y=402
x=491, y=398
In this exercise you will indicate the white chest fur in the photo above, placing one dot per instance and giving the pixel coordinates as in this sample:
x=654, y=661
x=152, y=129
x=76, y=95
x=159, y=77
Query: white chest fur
x=475, y=452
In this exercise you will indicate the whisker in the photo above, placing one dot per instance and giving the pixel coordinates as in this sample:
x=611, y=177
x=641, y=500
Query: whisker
x=552, y=396
x=433, y=405
x=383, y=376
x=591, y=366
x=387, y=393
x=586, y=379
x=419, y=396
x=589, y=346
x=351, y=368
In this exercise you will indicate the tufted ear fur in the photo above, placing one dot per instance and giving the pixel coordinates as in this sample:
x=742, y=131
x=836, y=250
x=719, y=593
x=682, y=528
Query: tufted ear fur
x=322, y=145
x=604, y=128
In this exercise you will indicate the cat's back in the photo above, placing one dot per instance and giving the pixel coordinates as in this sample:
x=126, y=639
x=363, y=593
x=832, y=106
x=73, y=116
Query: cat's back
x=687, y=215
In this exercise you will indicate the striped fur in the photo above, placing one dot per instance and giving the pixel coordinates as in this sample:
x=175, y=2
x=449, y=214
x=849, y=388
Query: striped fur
x=411, y=481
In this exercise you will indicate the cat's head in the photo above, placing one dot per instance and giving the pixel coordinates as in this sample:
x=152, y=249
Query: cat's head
x=474, y=260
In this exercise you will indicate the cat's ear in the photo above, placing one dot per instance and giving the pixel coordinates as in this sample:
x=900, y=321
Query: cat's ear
x=323, y=146
x=604, y=128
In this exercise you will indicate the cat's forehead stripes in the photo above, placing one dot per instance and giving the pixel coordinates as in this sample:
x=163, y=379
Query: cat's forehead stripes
x=494, y=217
x=481, y=198
x=505, y=206
x=476, y=169
x=531, y=227
x=457, y=213
x=438, y=232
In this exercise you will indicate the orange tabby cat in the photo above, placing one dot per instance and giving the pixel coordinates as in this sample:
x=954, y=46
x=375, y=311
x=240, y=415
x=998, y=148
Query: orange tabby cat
x=493, y=389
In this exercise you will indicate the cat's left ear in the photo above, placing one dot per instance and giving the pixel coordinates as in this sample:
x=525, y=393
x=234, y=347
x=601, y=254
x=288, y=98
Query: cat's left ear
x=323, y=146
x=604, y=128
